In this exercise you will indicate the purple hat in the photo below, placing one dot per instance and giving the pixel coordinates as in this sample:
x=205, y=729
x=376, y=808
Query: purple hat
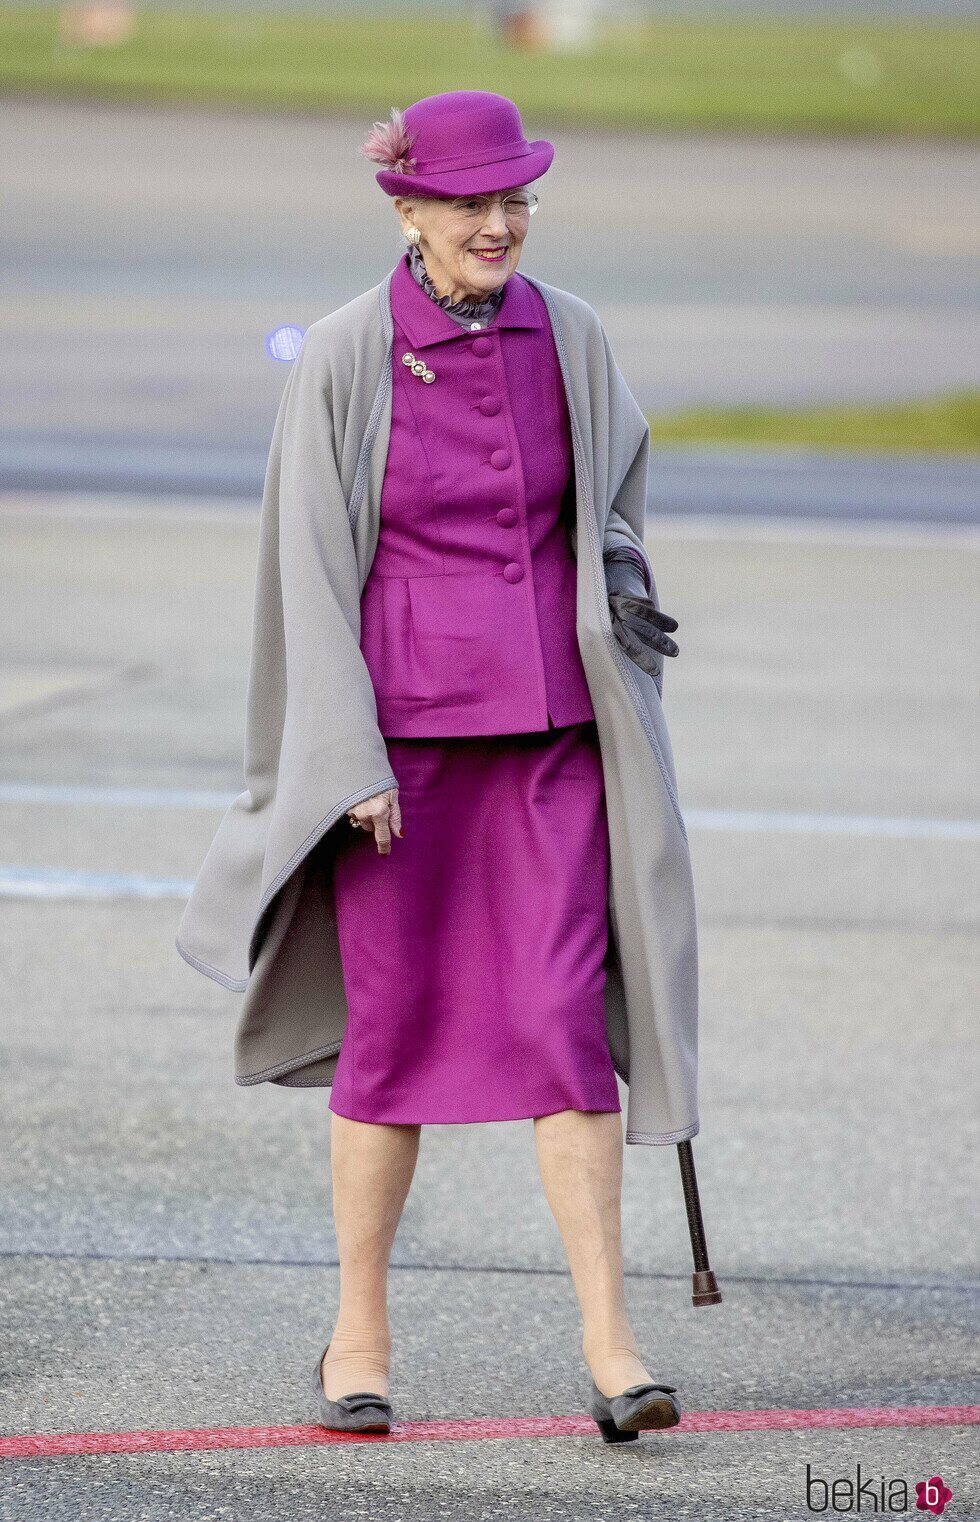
x=464, y=142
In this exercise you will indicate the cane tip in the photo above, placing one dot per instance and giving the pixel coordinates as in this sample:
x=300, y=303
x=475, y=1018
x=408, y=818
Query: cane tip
x=705, y=1288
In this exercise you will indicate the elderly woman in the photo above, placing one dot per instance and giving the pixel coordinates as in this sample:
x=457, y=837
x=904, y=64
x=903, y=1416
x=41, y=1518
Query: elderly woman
x=458, y=647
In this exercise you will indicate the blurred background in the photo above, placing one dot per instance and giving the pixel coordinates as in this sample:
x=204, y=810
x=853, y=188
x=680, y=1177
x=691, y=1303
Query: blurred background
x=773, y=211
x=773, y=208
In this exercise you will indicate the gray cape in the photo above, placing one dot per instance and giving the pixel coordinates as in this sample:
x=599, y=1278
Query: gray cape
x=260, y=918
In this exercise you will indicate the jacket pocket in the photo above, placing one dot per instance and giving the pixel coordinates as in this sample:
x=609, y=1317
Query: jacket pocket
x=453, y=634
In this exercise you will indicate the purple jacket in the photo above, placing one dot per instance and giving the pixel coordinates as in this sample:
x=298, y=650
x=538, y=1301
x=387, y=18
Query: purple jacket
x=468, y=611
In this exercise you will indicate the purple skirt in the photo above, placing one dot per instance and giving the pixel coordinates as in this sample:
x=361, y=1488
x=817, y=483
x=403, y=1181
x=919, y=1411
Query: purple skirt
x=473, y=955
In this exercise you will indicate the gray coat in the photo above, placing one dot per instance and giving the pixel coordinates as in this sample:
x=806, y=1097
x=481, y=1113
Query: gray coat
x=260, y=919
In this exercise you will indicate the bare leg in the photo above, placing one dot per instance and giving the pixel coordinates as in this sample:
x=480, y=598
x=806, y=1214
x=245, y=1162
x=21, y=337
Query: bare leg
x=372, y=1168
x=580, y=1155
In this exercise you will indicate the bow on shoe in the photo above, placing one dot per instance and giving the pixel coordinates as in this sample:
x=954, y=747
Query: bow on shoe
x=359, y=1399
x=640, y=627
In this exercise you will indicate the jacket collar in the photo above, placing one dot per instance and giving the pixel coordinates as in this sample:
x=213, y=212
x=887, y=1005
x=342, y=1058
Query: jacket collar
x=424, y=323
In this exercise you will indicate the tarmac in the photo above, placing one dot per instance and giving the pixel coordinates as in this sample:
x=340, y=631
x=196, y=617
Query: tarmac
x=150, y=251
x=169, y=1269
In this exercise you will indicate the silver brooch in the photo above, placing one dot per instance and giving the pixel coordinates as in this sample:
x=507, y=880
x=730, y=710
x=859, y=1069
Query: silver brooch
x=419, y=367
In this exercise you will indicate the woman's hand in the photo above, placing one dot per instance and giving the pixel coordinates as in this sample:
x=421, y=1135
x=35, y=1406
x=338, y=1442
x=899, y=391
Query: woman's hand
x=640, y=627
x=380, y=814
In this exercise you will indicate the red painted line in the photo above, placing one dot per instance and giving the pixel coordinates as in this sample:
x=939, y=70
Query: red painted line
x=63, y=1444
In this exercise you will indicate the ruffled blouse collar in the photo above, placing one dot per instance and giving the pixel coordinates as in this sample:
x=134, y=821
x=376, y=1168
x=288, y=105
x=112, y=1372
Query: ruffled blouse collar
x=465, y=311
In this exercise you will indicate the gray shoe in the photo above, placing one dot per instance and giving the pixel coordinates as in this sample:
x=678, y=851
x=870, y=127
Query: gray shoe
x=361, y=1411
x=621, y=1418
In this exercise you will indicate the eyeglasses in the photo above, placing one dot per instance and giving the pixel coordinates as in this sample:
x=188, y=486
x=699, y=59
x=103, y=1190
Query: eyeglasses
x=517, y=207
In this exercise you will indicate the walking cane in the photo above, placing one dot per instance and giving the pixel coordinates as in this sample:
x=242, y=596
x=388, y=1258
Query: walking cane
x=705, y=1286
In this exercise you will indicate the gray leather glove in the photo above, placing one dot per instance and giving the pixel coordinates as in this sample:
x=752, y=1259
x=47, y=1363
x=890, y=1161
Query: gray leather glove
x=638, y=624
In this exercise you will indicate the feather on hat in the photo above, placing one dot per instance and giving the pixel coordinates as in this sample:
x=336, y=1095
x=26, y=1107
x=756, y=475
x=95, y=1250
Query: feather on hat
x=460, y=143
x=389, y=143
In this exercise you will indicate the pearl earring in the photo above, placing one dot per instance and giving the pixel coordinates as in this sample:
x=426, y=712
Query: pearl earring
x=413, y=235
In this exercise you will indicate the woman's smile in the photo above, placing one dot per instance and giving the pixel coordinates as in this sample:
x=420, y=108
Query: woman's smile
x=489, y=255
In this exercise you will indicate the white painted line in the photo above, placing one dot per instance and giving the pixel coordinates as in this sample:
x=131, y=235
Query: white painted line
x=761, y=822
x=58, y=883
x=874, y=825
x=131, y=506
x=868, y=825
x=115, y=797
x=759, y=528
x=782, y=528
x=51, y=883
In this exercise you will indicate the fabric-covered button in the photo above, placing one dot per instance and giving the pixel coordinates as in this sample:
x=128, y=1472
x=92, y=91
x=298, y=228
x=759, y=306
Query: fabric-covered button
x=507, y=516
x=513, y=571
x=500, y=459
x=482, y=346
x=489, y=405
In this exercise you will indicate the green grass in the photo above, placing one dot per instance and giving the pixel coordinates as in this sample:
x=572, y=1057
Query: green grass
x=947, y=424
x=732, y=74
